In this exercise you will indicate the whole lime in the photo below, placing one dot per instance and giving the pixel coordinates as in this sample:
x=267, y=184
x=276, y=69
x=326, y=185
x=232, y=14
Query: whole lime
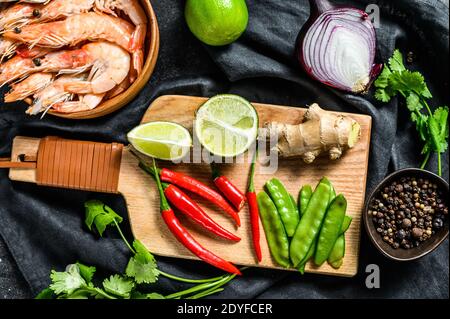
x=217, y=22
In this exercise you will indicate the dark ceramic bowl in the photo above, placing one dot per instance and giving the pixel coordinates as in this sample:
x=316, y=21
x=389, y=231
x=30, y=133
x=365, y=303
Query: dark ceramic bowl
x=424, y=248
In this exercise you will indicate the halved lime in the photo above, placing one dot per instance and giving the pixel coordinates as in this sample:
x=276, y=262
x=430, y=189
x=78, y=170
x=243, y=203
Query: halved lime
x=161, y=140
x=226, y=125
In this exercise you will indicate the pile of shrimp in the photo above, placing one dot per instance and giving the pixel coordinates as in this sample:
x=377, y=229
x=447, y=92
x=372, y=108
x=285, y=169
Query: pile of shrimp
x=69, y=55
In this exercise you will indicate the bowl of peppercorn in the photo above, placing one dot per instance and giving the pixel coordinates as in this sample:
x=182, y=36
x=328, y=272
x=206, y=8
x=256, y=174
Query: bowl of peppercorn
x=406, y=216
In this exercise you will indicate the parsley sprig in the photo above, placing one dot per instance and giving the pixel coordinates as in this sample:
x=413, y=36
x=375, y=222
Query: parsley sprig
x=432, y=127
x=77, y=281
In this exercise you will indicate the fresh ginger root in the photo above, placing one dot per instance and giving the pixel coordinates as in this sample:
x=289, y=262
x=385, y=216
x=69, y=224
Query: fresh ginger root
x=320, y=132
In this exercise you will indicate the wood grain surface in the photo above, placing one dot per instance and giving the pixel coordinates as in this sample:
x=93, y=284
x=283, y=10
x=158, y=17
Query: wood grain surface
x=348, y=175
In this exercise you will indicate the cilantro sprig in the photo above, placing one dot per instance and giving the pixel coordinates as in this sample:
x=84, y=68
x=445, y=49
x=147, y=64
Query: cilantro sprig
x=432, y=127
x=77, y=281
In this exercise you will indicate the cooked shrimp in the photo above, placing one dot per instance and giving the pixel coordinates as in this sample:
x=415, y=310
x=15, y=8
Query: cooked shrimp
x=58, y=9
x=17, y=67
x=36, y=52
x=111, y=65
x=17, y=15
x=85, y=103
x=53, y=94
x=32, y=84
x=7, y=49
x=77, y=28
x=137, y=15
x=122, y=87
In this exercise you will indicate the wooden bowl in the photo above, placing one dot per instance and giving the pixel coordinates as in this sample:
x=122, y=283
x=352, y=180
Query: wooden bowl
x=119, y=101
x=425, y=247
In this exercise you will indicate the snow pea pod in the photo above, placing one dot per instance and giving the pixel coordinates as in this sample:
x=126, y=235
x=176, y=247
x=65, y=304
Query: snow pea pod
x=304, y=197
x=273, y=227
x=331, y=229
x=346, y=224
x=336, y=258
x=310, y=224
x=295, y=204
x=285, y=207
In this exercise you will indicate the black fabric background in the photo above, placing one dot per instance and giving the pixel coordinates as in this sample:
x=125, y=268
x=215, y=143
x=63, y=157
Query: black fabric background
x=43, y=227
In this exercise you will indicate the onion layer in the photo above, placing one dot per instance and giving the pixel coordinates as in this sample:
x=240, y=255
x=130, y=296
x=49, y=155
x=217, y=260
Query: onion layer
x=338, y=48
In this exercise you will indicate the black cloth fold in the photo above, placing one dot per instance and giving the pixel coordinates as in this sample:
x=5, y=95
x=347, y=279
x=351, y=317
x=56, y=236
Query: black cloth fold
x=43, y=227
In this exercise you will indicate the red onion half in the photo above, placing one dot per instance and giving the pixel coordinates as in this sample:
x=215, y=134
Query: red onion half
x=337, y=47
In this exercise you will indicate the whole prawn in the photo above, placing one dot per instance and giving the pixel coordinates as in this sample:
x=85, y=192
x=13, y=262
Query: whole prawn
x=31, y=85
x=90, y=26
x=110, y=66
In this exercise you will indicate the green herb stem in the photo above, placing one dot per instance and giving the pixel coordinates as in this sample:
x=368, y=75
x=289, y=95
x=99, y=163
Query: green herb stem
x=206, y=293
x=189, y=281
x=425, y=161
x=123, y=238
x=200, y=287
x=439, y=164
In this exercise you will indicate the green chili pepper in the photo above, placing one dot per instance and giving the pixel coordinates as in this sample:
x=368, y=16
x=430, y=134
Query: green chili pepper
x=304, y=197
x=346, y=224
x=330, y=230
x=336, y=258
x=285, y=207
x=310, y=224
x=273, y=227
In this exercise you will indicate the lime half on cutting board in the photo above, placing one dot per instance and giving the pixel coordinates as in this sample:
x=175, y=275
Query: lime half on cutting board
x=226, y=125
x=161, y=140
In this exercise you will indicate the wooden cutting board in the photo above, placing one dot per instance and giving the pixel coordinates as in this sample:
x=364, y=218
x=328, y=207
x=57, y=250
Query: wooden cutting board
x=348, y=175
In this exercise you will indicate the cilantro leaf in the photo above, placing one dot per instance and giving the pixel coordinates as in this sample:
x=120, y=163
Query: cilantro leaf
x=407, y=81
x=396, y=62
x=382, y=95
x=440, y=129
x=87, y=272
x=47, y=293
x=383, y=79
x=119, y=286
x=142, y=266
x=413, y=102
x=421, y=121
x=100, y=215
x=68, y=281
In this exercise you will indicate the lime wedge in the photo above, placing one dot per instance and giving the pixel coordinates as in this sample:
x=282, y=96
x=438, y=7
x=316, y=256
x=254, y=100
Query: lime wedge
x=161, y=140
x=226, y=125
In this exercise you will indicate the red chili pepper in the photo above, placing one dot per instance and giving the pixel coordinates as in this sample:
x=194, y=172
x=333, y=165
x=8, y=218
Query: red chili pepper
x=185, y=238
x=188, y=207
x=197, y=187
x=254, y=213
x=229, y=190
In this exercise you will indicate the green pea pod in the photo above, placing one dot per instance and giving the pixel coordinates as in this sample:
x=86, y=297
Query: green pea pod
x=346, y=224
x=331, y=229
x=273, y=227
x=310, y=224
x=295, y=204
x=285, y=207
x=304, y=197
x=311, y=251
x=336, y=258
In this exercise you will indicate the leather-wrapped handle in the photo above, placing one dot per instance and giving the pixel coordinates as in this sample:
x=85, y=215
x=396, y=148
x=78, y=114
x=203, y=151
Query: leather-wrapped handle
x=79, y=165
